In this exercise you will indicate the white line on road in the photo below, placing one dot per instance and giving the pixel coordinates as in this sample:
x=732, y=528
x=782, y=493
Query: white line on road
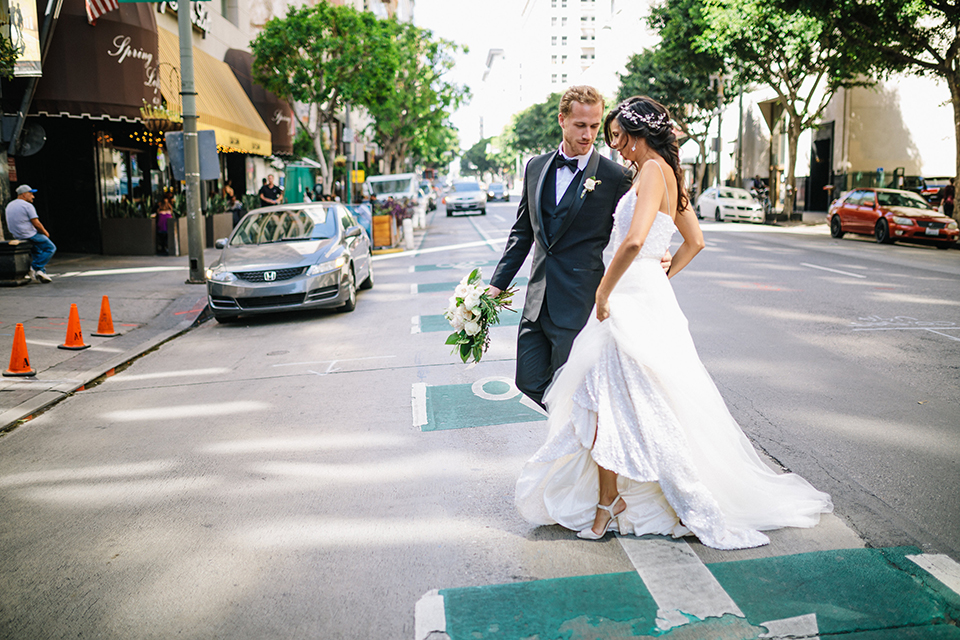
x=419, y=397
x=187, y=411
x=430, y=616
x=945, y=335
x=414, y=325
x=293, y=364
x=499, y=218
x=843, y=273
x=678, y=580
x=799, y=627
x=118, y=272
x=449, y=247
x=941, y=567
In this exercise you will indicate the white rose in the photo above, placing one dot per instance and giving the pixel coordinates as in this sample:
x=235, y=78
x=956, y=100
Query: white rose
x=457, y=320
x=471, y=328
x=462, y=290
x=471, y=300
x=589, y=184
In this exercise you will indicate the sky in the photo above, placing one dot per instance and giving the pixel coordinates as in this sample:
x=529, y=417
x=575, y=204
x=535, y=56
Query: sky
x=481, y=26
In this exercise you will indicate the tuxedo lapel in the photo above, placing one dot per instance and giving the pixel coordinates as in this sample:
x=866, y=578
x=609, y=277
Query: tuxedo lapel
x=535, y=197
x=590, y=171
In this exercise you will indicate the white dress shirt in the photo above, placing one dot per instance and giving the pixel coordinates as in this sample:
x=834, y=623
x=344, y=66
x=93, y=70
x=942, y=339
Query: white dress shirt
x=565, y=175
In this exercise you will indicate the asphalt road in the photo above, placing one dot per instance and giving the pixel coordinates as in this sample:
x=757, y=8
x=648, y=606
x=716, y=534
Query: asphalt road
x=311, y=475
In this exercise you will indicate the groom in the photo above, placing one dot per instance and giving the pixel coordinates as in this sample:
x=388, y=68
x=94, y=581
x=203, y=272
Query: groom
x=566, y=214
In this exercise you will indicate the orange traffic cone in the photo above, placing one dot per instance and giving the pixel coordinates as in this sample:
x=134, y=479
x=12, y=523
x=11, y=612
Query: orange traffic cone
x=105, y=326
x=74, y=334
x=19, y=360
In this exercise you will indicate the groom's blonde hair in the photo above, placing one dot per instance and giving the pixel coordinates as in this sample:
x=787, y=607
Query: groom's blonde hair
x=581, y=93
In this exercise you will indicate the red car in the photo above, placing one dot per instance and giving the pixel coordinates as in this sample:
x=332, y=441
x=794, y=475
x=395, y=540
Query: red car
x=890, y=215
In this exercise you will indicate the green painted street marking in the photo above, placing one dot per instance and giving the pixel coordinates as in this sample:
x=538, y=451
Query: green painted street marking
x=466, y=266
x=848, y=590
x=439, y=323
x=484, y=403
x=435, y=287
x=608, y=606
x=863, y=594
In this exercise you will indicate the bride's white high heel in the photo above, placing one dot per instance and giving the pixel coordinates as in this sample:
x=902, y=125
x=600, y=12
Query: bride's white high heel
x=589, y=534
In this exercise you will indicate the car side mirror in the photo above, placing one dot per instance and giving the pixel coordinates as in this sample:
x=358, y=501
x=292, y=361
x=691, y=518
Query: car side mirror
x=220, y=243
x=352, y=232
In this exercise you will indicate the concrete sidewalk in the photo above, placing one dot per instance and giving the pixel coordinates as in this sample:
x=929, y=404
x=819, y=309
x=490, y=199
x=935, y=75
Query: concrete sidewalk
x=149, y=301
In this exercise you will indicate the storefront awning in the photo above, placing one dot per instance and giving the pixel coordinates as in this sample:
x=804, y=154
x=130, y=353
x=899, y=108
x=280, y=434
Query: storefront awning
x=222, y=104
x=102, y=72
x=276, y=113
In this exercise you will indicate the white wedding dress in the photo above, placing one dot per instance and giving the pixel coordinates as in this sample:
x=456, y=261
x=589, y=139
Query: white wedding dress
x=635, y=382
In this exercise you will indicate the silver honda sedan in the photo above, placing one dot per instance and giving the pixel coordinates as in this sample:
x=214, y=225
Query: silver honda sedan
x=291, y=256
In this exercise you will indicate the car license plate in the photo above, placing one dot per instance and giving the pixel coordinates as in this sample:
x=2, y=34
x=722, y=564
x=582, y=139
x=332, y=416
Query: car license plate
x=932, y=232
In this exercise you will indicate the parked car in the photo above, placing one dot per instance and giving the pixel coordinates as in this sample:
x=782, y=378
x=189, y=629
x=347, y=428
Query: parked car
x=931, y=190
x=498, y=191
x=729, y=203
x=290, y=256
x=890, y=215
x=466, y=195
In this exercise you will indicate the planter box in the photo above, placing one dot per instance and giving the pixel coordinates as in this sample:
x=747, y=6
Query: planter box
x=385, y=231
x=15, y=258
x=128, y=236
x=217, y=226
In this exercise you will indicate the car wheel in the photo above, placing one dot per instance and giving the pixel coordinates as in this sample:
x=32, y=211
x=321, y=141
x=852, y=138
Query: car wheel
x=506, y=199
x=351, y=302
x=882, y=232
x=699, y=213
x=717, y=215
x=483, y=212
x=368, y=283
x=836, y=229
x=449, y=214
x=225, y=319
x=944, y=245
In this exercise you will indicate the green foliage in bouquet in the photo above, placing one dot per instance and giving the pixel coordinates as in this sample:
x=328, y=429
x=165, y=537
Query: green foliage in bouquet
x=471, y=313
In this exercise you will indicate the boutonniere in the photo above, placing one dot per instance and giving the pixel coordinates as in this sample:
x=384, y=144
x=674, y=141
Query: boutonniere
x=589, y=185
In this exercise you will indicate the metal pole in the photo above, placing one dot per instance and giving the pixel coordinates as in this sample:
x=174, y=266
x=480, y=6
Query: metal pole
x=719, y=129
x=348, y=151
x=191, y=154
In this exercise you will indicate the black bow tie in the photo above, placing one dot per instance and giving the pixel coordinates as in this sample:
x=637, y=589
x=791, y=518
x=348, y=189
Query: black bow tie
x=572, y=163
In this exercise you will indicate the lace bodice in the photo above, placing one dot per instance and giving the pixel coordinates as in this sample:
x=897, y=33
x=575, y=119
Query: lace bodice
x=658, y=239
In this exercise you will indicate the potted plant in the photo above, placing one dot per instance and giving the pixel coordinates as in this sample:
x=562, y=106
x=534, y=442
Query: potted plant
x=386, y=217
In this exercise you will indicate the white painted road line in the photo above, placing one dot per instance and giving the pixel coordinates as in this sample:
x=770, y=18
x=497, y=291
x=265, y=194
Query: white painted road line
x=414, y=325
x=430, y=617
x=410, y=254
x=941, y=567
x=419, y=398
x=843, y=273
x=799, y=627
x=118, y=272
x=678, y=581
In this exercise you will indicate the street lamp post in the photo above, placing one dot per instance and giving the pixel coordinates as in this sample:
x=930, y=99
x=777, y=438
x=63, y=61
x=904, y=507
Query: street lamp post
x=718, y=80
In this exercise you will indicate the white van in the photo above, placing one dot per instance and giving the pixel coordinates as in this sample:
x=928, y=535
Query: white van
x=399, y=186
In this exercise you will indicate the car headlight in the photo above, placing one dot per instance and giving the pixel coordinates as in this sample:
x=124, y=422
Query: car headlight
x=952, y=225
x=907, y=222
x=219, y=274
x=329, y=265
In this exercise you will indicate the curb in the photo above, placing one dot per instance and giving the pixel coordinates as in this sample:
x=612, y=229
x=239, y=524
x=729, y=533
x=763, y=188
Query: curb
x=27, y=410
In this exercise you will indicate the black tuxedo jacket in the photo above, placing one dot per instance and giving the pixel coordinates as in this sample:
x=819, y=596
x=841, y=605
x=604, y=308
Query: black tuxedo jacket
x=565, y=272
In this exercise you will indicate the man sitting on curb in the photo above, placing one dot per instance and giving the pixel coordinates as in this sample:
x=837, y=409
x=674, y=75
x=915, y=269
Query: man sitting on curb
x=24, y=225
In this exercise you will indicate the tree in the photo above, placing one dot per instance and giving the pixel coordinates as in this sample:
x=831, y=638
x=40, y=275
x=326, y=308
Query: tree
x=535, y=129
x=323, y=56
x=438, y=148
x=795, y=54
x=918, y=36
x=677, y=72
x=409, y=118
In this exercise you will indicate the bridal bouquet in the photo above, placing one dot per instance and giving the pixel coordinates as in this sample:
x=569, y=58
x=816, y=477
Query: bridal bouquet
x=471, y=313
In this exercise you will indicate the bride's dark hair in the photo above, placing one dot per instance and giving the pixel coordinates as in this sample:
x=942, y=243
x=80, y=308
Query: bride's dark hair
x=643, y=117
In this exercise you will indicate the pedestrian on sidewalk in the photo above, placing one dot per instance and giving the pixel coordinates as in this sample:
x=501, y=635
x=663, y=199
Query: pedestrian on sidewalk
x=947, y=195
x=24, y=224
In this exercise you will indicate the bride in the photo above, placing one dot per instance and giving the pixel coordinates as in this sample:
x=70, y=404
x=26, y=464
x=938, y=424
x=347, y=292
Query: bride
x=640, y=440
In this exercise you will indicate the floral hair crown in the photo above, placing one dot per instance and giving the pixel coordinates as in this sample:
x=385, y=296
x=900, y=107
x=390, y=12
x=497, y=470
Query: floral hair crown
x=653, y=121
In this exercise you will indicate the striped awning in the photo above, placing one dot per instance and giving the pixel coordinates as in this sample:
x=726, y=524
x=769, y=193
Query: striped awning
x=222, y=104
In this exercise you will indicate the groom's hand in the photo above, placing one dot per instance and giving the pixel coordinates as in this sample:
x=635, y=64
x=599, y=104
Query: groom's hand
x=666, y=261
x=492, y=291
